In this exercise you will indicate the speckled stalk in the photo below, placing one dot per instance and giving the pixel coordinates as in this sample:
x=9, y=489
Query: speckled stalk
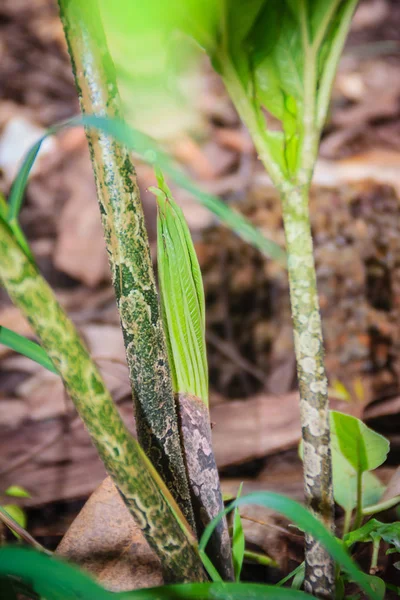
x=313, y=385
x=143, y=491
x=128, y=250
x=319, y=576
x=205, y=488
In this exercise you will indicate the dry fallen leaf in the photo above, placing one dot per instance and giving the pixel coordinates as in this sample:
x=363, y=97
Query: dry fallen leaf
x=105, y=541
x=253, y=428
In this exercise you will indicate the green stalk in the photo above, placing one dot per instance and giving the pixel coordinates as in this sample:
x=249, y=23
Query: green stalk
x=313, y=385
x=309, y=349
x=144, y=493
x=128, y=250
x=347, y=522
x=359, y=511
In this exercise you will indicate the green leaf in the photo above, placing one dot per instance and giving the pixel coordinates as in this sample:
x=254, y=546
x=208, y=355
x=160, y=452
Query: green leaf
x=54, y=579
x=17, y=491
x=238, y=540
x=345, y=484
x=265, y=31
x=48, y=576
x=238, y=20
x=182, y=297
x=19, y=184
x=363, y=448
x=30, y=349
x=345, y=475
x=389, y=532
x=306, y=521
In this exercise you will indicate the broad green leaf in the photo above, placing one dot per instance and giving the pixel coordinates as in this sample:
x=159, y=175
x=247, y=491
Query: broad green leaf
x=182, y=297
x=362, y=534
x=17, y=492
x=345, y=475
x=345, y=484
x=305, y=521
x=372, y=489
x=54, y=579
x=373, y=529
x=278, y=77
x=264, y=33
x=238, y=540
x=22, y=345
x=149, y=151
x=155, y=49
x=390, y=532
x=237, y=21
x=196, y=18
x=288, y=56
x=363, y=448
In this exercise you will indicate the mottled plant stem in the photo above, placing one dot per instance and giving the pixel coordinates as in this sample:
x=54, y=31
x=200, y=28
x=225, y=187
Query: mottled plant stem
x=128, y=250
x=320, y=568
x=143, y=491
x=204, y=482
x=313, y=385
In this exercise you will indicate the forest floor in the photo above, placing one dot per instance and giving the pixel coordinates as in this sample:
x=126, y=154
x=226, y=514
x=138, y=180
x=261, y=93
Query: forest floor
x=254, y=404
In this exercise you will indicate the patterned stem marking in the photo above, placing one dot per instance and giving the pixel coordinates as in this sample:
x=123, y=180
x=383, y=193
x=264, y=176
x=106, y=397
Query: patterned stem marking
x=128, y=251
x=204, y=480
x=123, y=458
x=313, y=385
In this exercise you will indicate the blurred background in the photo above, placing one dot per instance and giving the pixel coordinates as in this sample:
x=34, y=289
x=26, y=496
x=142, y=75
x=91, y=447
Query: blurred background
x=254, y=405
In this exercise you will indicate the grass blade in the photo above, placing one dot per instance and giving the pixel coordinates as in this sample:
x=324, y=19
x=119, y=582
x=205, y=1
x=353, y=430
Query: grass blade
x=306, y=521
x=149, y=151
x=238, y=540
x=57, y=580
x=30, y=349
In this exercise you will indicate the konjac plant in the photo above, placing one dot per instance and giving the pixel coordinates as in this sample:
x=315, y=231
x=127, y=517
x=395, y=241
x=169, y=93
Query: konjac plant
x=276, y=58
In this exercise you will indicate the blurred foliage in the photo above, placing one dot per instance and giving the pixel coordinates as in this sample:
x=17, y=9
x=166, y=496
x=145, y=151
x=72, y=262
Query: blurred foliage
x=157, y=60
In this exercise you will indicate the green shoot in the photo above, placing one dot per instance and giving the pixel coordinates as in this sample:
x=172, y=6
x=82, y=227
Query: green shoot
x=182, y=297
